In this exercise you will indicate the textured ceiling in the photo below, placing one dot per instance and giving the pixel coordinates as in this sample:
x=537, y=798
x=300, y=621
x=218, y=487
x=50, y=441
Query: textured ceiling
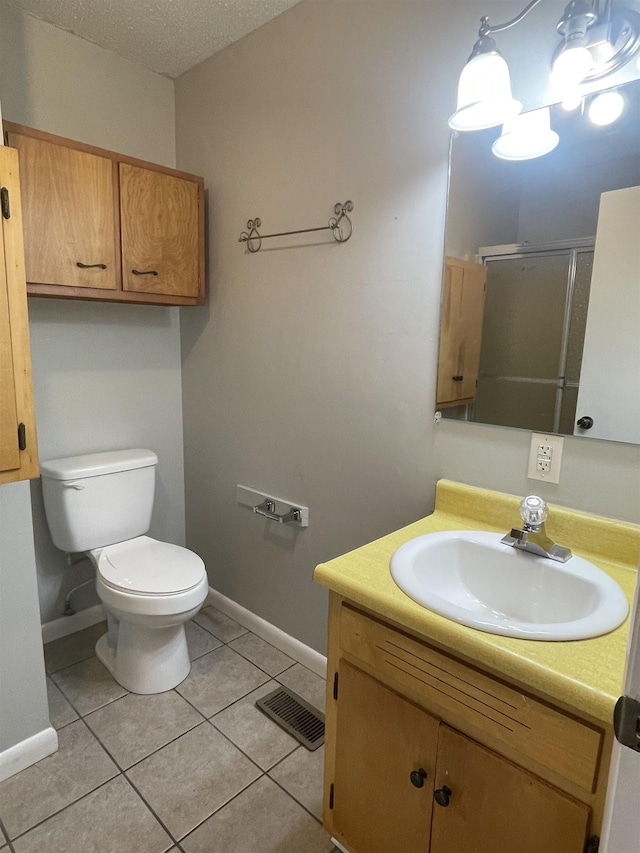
x=167, y=36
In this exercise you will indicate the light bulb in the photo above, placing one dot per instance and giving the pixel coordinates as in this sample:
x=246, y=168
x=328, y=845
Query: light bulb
x=571, y=100
x=526, y=136
x=605, y=108
x=571, y=67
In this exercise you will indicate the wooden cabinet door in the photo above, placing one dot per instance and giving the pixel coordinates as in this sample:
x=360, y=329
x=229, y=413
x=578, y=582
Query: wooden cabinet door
x=381, y=739
x=68, y=215
x=460, y=331
x=160, y=232
x=18, y=460
x=496, y=806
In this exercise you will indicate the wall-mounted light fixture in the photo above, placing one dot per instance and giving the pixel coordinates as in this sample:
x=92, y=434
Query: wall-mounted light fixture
x=598, y=38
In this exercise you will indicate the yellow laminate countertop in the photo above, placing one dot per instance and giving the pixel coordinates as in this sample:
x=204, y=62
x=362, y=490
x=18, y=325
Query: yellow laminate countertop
x=584, y=675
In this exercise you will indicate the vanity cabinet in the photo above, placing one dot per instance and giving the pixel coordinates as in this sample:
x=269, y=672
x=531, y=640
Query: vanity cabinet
x=460, y=331
x=18, y=446
x=427, y=753
x=99, y=225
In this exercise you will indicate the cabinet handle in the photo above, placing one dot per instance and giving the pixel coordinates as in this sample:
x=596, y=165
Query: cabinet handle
x=417, y=777
x=90, y=266
x=442, y=796
x=458, y=378
x=585, y=422
x=144, y=272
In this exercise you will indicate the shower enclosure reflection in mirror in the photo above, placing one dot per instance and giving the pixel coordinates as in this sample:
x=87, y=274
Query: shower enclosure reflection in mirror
x=558, y=348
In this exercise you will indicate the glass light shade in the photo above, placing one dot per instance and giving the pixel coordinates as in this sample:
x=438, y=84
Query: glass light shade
x=606, y=108
x=571, y=66
x=484, y=94
x=571, y=100
x=526, y=136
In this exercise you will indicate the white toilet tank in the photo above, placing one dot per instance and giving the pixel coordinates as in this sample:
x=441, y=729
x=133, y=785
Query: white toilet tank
x=96, y=500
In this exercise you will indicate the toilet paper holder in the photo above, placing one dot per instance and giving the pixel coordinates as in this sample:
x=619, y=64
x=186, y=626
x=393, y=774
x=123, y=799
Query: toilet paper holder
x=268, y=510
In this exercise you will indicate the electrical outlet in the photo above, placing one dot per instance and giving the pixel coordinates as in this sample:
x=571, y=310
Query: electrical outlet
x=545, y=457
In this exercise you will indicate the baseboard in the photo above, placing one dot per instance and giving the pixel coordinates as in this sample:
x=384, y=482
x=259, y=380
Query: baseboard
x=27, y=752
x=70, y=624
x=305, y=655
x=339, y=846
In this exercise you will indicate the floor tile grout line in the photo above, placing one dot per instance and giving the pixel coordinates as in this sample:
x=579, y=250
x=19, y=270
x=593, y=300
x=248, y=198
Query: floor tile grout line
x=224, y=708
x=67, y=665
x=93, y=710
x=280, y=760
x=246, y=754
x=253, y=663
x=64, y=808
x=4, y=833
x=239, y=748
x=152, y=810
x=153, y=752
x=257, y=665
x=223, y=806
x=294, y=798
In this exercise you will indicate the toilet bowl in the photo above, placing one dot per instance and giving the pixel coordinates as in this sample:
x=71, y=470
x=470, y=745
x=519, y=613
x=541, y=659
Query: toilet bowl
x=149, y=590
x=101, y=504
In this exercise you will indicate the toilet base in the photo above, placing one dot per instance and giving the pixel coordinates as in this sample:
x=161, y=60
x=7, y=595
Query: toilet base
x=145, y=660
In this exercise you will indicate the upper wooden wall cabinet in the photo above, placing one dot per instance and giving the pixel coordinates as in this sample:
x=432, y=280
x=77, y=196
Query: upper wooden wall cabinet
x=99, y=225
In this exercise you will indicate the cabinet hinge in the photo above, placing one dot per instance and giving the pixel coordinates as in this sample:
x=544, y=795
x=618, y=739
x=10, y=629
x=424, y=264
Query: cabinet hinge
x=335, y=685
x=626, y=722
x=22, y=437
x=331, y=799
x=592, y=845
x=4, y=201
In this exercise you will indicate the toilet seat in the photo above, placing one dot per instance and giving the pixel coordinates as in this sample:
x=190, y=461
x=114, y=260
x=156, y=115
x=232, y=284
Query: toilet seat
x=147, y=567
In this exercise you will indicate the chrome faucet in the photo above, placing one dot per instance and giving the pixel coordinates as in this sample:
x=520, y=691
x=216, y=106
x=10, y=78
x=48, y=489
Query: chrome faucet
x=532, y=537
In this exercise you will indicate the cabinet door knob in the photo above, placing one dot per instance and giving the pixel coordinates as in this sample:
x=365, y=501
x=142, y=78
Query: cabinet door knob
x=442, y=796
x=417, y=777
x=458, y=378
x=585, y=423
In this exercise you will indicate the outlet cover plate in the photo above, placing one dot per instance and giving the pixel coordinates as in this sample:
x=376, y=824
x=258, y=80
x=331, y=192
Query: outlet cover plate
x=549, y=448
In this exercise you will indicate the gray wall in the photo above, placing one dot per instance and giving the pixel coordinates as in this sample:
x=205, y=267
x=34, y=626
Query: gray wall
x=105, y=376
x=23, y=697
x=311, y=374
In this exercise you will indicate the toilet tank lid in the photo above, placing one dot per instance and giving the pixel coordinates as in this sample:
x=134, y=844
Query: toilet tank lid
x=95, y=464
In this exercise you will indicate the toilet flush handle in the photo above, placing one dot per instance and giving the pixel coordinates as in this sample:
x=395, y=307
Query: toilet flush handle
x=73, y=485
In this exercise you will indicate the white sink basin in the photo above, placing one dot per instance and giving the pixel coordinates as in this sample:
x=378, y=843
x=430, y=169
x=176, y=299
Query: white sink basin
x=472, y=578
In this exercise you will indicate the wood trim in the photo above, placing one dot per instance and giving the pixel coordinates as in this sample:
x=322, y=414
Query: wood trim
x=202, y=267
x=330, y=722
x=563, y=744
x=56, y=291
x=19, y=320
x=12, y=127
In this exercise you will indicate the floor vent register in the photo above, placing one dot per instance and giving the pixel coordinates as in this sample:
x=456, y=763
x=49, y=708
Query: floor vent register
x=295, y=716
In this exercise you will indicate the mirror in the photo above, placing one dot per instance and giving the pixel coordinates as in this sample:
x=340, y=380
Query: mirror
x=541, y=292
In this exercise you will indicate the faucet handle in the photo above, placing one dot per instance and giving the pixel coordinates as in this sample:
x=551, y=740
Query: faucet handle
x=534, y=511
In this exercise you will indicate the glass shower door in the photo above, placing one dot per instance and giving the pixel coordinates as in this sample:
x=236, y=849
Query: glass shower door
x=533, y=333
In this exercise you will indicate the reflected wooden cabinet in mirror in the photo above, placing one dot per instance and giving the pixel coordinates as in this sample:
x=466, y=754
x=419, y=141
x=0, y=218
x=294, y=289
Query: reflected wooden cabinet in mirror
x=103, y=226
x=460, y=331
x=557, y=236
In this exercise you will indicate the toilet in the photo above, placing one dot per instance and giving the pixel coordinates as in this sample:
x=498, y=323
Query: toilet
x=101, y=504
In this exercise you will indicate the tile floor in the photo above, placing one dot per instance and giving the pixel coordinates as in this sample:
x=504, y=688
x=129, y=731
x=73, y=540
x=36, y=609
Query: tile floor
x=197, y=769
